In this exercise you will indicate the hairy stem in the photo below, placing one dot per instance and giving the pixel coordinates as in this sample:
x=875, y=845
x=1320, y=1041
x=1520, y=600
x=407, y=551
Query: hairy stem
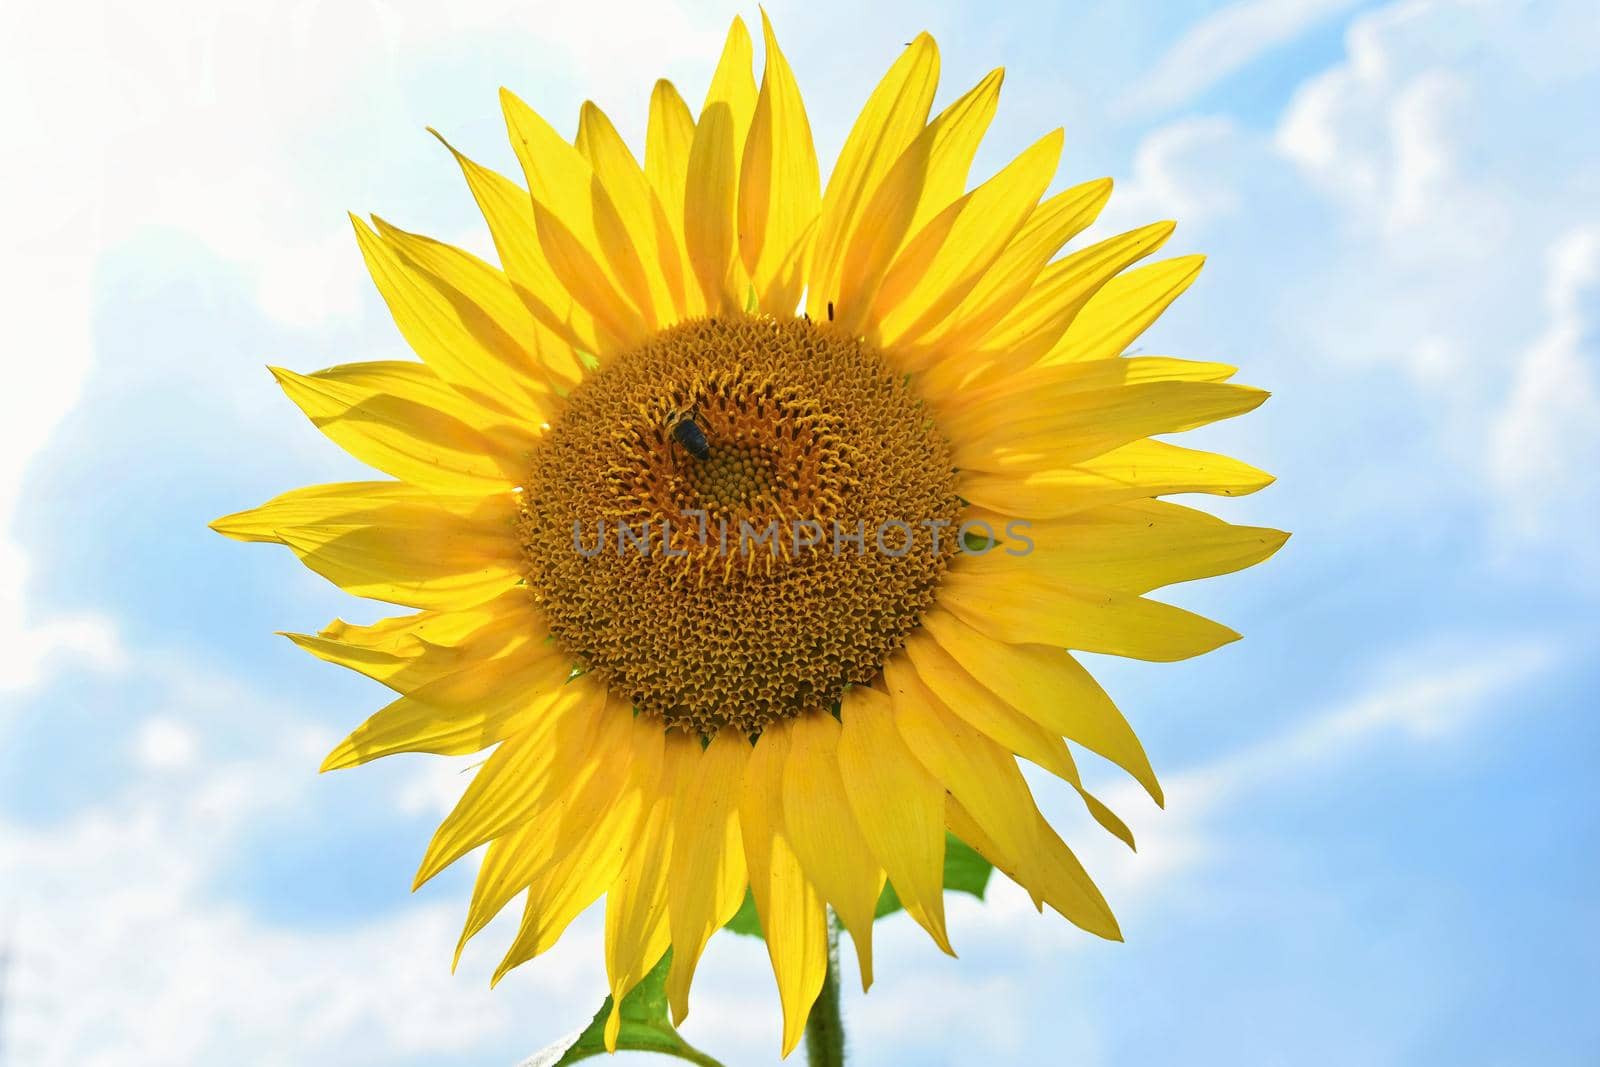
x=825, y=1026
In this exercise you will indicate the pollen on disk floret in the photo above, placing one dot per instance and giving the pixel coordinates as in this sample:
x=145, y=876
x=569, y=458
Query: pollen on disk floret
x=727, y=615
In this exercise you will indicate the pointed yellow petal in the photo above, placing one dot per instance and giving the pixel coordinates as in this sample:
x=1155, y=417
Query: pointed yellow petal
x=1051, y=225
x=711, y=191
x=412, y=554
x=1063, y=289
x=347, y=501
x=514, y=335
x=509, y=864
x=1046, y=432
x=524, y=776
x=642, y=214
x=898, y=805
x=1050, y=873
x=1123, y=309
x=1049, y=686
x=793, y=919
x=927, y=177
x=584, y=857
x=580, y=232
x=979, y=773
x=892, y=118
x=636, y=906
x=817, y=816
x=668, y=139
x=401, y=419
x=780, y=190
x=468, y=710
x=707, y=880
x=412, y=650
x=454, y=336
x=708, y=211
x=508, y=210
x=947, y=258
x=1045, y=387
x=1159, y=544
x=964, y=696
x=1141, y=469
x=1022, y=601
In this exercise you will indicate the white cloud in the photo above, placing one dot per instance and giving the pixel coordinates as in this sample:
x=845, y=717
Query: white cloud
x=213, y=121
x=1546, y=440
x=1185, y=170
x=164, y=744
x=124, y=953
x=1223, y=42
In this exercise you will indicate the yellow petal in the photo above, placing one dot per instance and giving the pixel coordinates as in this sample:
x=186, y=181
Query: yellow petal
x=892, y=118
x=1051, y=225
x=976, y=771
x=520, y=779
x=708, y=212
x=348, y=501
x=668, y=139
x=1047, y=432
x=1050, y=873
x=793, y=920
x=949, y=256
x=401, y=419
x=508, y=210
x=1140, y=548
x=1137, y=470
x=898, y=805
x=412, y=554
x=509, y=863
x=584, y=859
x=642, y=214
x=468, y=710
x=710, y=209
x=961, y=694
x=1023, y=601
x=926, y=179
x=413, y=650
x=820, y=825
x=1039, y=387
x=707, y=880
x=1123, y=309
x=636, y=906
x=537, y=352
x=580, y=232
x=1063, y=290
x=454, y=336
x=1049, y=686
x=780, y=190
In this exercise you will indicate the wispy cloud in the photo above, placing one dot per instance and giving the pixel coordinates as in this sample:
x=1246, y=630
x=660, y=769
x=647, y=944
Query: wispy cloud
x=1223, y=42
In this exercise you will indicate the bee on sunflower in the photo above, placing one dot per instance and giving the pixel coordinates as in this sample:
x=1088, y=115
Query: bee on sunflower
x=686, y=497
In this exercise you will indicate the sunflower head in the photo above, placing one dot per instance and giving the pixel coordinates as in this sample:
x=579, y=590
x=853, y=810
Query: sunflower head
x=753, y=524
x=740, y=581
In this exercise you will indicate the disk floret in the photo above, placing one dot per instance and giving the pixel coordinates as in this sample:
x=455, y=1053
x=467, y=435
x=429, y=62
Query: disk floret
x=760, y=580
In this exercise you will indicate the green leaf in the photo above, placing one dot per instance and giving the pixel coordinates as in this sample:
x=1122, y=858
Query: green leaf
x=645, y=1028
x=964, y=872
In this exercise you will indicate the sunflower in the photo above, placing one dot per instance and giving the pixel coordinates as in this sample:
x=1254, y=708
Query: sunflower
x=752, y=523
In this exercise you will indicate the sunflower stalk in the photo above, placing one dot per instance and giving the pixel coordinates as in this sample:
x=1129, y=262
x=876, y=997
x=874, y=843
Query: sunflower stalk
x=825, y=1025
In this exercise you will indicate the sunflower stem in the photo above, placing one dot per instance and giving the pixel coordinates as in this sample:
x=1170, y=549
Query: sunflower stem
x=825, y=1025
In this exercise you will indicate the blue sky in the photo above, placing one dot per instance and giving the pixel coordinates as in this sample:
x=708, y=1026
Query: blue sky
x=1382, y=819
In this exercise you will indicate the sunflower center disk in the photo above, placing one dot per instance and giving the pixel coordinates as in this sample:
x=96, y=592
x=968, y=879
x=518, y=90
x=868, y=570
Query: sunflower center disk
x=760, y=580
